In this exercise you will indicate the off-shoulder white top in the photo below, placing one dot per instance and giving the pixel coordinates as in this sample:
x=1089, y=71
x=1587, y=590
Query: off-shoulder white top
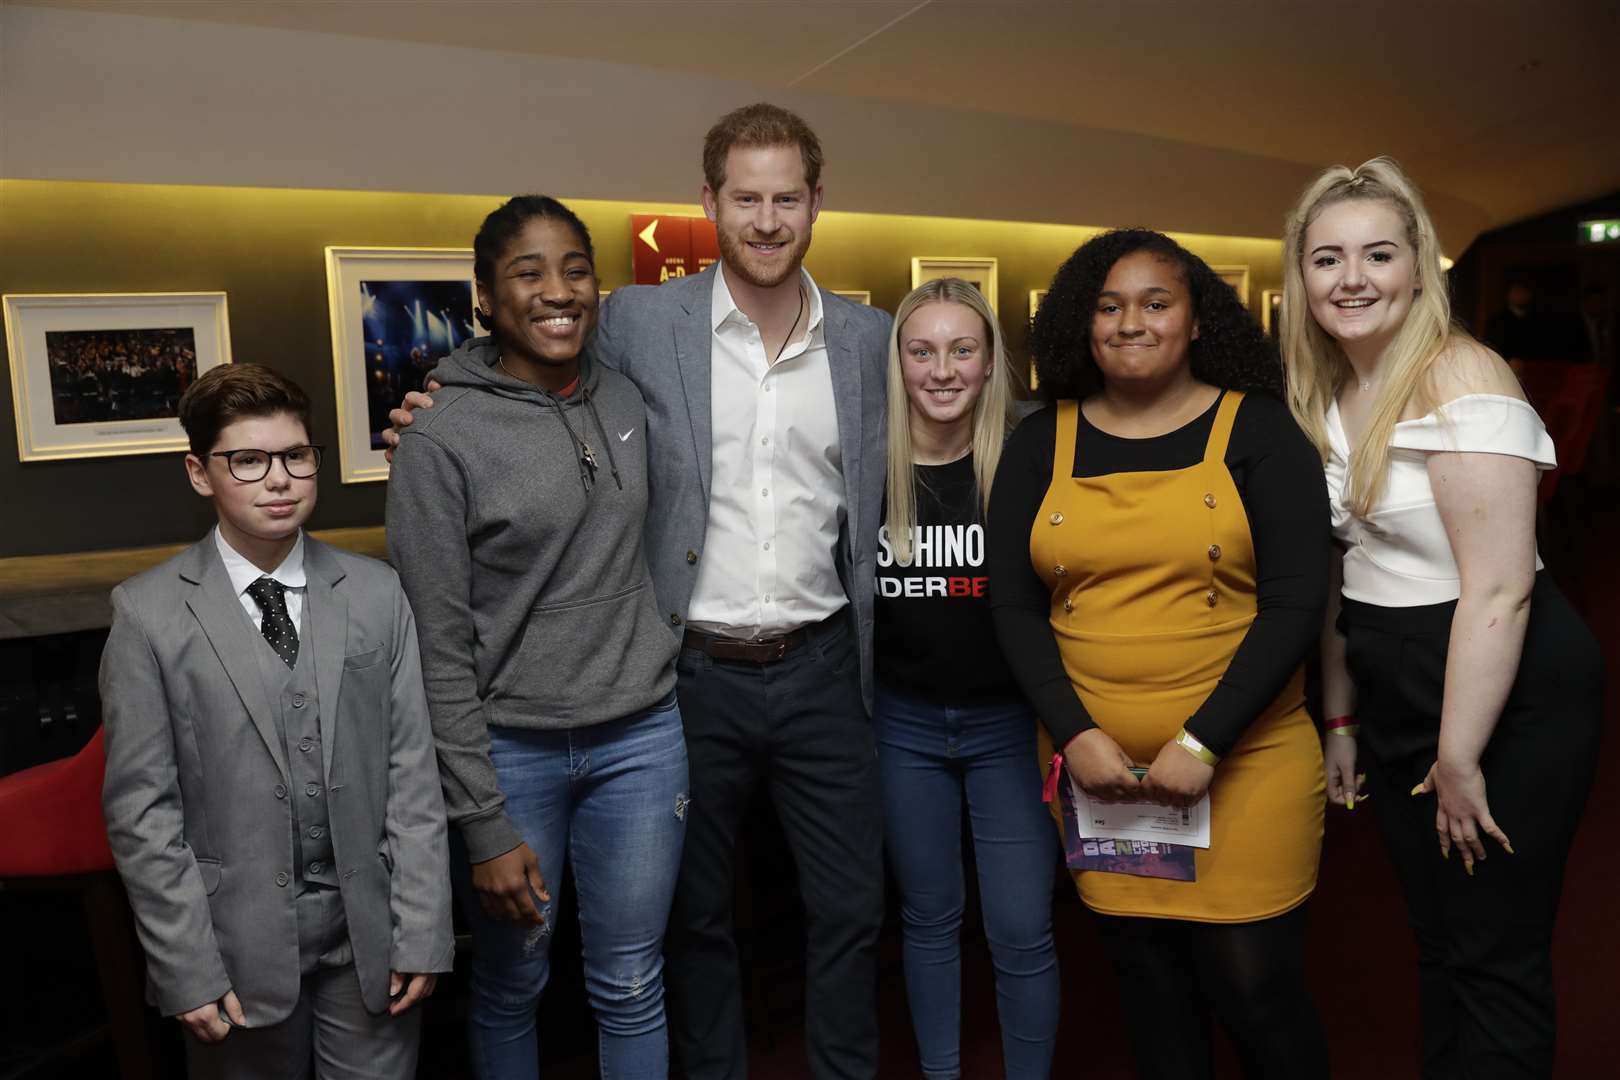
x=1400, y=556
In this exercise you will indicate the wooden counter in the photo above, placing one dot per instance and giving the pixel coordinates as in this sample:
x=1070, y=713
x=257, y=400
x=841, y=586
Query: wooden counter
x=58, y=594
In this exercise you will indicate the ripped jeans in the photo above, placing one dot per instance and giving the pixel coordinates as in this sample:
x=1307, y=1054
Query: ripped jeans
x=612, y=798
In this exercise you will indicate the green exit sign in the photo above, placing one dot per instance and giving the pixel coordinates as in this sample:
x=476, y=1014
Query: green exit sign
x=1599, y=232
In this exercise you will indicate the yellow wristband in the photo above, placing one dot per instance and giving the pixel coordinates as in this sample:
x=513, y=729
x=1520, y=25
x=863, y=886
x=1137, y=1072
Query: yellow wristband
x=1188, y=742
x=1345, y=729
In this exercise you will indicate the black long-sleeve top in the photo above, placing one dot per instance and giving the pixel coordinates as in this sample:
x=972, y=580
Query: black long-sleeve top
x=1279, y=478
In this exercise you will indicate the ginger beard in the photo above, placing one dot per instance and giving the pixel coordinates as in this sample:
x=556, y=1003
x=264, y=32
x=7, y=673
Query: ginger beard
x=761, y=269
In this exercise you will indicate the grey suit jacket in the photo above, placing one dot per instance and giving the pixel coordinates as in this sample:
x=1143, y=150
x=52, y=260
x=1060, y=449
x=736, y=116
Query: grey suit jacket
x=197, y=790
x=660, y=336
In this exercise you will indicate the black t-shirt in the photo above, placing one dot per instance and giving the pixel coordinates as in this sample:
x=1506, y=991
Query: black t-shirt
x=1279, y=477
x=933, y=635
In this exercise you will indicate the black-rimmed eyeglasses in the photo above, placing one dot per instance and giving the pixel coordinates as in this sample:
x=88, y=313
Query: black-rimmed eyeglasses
x=249, y=465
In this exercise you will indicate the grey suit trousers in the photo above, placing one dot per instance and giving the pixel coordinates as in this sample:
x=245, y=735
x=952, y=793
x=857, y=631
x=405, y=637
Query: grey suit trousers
x=329, y=1026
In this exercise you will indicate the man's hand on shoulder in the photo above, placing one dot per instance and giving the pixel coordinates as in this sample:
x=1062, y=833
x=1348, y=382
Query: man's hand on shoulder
x=401, y=417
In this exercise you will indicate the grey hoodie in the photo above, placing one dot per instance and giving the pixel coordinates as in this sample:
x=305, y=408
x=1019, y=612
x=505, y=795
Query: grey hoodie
x=533, y=603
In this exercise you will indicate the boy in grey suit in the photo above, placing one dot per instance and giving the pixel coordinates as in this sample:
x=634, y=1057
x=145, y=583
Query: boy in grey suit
x=272, y=796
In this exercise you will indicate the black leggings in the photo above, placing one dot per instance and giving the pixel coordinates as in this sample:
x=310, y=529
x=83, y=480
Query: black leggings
x=1174, y=974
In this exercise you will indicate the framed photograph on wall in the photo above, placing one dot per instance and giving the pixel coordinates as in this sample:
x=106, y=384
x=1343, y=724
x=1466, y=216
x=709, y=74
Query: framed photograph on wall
x=860, y=296
x=1271, y=312
x=978, y=272
x=396, y=312
x=1237, y=277
x=101, y=374
x=1035, y=298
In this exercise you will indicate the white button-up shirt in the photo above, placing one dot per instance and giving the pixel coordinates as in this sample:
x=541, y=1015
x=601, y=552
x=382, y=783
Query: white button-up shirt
x=243, y=573
x=776, y=502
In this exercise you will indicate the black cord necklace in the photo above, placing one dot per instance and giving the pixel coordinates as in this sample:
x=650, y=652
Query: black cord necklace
x=792, y=328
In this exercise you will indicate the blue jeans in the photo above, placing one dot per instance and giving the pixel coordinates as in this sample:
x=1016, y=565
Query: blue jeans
x=930, y=757
x=612, y=799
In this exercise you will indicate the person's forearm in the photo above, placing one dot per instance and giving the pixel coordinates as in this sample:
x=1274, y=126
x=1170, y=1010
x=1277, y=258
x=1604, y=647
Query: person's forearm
x=1487, y=637
x=1037, y=666
x=427, y=543
x=1338, y=689
x=419, y=895
x=146, y=824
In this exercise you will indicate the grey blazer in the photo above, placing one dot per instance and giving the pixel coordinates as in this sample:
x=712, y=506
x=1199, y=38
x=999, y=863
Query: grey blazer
x=659, y=336
x=197, y=798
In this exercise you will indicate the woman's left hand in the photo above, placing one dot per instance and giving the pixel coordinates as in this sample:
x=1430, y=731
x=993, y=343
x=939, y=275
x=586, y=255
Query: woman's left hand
x=1176, y=778
x=1462, y=817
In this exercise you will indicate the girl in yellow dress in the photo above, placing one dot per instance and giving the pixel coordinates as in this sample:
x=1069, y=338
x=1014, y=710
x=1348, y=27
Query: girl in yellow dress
x=1158, y=552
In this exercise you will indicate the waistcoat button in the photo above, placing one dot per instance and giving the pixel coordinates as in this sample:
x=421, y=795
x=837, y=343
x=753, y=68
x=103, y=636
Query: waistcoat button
x=1060, y=570
x=1209, y=501
x=1214, y=552
x=691, y=557
x=1068, y=604
x=282, y=879
x=281, y=791
x=674, y=620
x=1211, y=596
x=1057, y=517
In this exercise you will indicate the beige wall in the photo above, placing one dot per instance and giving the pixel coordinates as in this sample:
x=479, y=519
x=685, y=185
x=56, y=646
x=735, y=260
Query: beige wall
x=110, y=97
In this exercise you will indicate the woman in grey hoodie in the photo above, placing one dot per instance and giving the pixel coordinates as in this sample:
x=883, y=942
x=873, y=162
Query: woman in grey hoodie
x=515, y=514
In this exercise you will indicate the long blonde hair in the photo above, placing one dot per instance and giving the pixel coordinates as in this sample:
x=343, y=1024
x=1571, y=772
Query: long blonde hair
x=1317, y=366
x=992, y=412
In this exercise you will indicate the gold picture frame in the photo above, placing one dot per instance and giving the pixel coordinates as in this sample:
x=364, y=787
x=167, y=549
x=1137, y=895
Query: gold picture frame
x=1237, y=277
x=1271, y=312
x=100, y=374
x=1035, y=298
x=395, y=312
x=980, y=272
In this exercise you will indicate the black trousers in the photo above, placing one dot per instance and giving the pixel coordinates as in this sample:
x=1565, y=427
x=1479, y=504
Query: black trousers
x=799, y=726
x=1484, y=942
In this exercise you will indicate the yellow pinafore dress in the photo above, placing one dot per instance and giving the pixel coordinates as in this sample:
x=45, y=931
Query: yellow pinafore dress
x=1153, y=588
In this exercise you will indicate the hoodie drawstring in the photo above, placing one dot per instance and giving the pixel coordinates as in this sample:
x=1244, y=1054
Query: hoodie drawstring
x=587, y=458
x=613, y=466
x=582, y=449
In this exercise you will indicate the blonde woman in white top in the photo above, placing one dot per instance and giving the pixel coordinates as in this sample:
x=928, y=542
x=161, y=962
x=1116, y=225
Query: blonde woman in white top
x=1475, y=689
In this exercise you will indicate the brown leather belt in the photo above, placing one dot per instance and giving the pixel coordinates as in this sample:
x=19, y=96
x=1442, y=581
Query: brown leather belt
x=767, y=650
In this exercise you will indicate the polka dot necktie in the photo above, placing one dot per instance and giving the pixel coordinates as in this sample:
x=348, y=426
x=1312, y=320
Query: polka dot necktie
x=277, y=626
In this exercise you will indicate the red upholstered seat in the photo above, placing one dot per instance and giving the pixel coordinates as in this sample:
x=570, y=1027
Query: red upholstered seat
x=52, y=815
x=1568, y=398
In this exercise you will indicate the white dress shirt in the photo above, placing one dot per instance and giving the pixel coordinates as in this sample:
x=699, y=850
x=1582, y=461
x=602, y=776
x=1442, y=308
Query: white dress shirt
x=243, y=573
x=776, y=503
x=1400, y=556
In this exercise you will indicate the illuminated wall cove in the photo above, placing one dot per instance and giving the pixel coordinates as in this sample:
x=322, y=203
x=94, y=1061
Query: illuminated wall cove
x=266, y=251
